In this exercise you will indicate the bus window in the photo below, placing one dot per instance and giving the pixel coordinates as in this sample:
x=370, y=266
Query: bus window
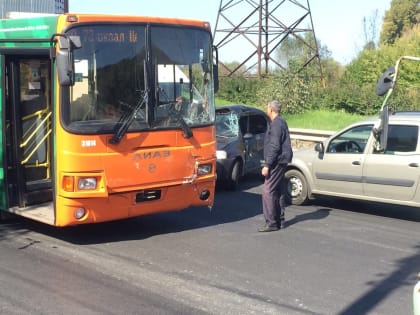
x=112, y=69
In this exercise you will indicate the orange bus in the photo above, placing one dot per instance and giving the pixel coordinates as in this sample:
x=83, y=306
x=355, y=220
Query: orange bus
x=90, y=123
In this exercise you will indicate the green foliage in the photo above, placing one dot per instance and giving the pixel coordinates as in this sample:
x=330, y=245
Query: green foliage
x=349, y=89
x=365, y=69
x=220, y=102
x=239, y=90
x=287, y=88
x=355, y=92
x=401, y=17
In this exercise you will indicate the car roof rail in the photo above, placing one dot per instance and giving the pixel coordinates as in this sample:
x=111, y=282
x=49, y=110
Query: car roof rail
x=406, y=112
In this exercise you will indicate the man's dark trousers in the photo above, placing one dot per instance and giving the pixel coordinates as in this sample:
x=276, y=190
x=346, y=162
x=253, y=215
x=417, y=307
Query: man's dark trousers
x=273, y=196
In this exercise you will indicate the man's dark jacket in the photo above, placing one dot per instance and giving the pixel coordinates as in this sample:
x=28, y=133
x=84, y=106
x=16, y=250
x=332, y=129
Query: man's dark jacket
x=277, y=145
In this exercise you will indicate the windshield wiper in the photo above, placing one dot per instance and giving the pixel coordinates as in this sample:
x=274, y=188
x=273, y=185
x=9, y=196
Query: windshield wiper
x=126, y=119
x=185, y=128
x=178, y=116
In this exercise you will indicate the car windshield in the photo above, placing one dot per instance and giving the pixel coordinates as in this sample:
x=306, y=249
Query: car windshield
x=139, y=77
x=227, y=124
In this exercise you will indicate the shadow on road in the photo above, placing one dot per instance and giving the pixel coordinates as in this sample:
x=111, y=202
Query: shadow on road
x=379, y=209
x=315, y=215
x=404, y=275
x=229, y=206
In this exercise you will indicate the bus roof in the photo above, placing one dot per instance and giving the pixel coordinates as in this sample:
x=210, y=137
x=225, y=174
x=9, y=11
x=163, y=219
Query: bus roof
x=43, y=27
x=134, y=18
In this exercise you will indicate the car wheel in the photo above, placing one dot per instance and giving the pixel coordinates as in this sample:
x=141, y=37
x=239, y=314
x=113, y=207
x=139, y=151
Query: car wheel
x=235, y=174
x=297, y=188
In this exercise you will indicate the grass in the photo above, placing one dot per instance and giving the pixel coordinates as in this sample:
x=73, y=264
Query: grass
x=220, y=101
x=322, y=120
x=316, y=119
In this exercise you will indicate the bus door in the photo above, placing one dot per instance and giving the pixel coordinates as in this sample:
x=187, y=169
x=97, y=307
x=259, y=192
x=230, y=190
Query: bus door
x=28, y=131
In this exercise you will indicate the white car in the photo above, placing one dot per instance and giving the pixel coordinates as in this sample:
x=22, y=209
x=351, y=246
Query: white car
x=351, y=165
x=374, y=160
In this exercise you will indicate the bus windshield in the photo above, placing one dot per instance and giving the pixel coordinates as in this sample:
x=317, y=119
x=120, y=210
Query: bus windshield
x=143, y=77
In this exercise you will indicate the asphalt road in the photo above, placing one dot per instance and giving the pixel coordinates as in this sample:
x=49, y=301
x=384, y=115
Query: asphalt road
x=334, y=257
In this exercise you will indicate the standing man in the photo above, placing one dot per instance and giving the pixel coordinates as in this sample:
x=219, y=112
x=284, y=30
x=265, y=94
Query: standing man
x=277, y=153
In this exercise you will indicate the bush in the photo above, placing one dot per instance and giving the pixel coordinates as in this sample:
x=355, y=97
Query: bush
x=291, y=90
x=239, y=90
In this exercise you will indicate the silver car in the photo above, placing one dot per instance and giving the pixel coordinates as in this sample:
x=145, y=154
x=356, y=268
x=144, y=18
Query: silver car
x=374, y=160
x=353, y=164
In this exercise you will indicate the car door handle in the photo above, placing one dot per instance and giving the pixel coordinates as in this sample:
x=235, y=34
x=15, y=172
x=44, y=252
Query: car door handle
x=413, y=164
x=355, y=162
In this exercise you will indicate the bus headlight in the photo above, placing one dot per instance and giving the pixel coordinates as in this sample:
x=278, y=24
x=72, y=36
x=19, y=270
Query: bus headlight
x=221, y=154
x=87, y=183
x=204, y=169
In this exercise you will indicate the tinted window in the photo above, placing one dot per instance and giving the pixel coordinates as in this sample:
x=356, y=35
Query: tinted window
x=253, y=124
x=402, y=138
x=243, y=124
x=257, y=124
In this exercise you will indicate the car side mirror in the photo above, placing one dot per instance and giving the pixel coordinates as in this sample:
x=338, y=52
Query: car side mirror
x=319, y=147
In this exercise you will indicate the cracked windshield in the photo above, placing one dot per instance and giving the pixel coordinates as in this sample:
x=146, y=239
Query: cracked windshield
x=139, y=78
x=227, y=125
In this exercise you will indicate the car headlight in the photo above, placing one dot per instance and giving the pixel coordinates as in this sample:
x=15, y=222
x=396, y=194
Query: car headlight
x=221, y=154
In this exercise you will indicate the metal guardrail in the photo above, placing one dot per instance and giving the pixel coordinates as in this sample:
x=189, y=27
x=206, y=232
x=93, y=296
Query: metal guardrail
x=309, y=134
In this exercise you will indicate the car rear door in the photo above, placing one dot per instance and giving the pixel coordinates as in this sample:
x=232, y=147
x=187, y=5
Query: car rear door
x=395, y=173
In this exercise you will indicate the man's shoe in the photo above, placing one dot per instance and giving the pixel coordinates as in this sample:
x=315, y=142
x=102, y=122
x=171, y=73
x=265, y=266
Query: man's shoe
x=267, y=228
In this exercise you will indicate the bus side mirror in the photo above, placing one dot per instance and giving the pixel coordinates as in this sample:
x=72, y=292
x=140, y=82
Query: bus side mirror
x=216, y=78
x=216, y=69
x=385, y=81
x=65, y=59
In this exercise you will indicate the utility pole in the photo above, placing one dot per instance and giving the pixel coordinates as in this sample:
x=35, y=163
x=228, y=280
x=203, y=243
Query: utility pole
x=255, y=29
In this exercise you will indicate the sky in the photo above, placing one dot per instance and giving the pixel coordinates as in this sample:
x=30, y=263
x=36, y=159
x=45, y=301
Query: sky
x=337, y=24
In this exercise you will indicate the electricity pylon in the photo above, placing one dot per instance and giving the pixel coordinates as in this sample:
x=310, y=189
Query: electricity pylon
x=256, y=30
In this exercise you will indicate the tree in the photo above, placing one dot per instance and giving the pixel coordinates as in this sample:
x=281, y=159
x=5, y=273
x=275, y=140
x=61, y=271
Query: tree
x=295, y=51
x=402, y=16
x=287, y=87
x=355, y=91
x=370, y=30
